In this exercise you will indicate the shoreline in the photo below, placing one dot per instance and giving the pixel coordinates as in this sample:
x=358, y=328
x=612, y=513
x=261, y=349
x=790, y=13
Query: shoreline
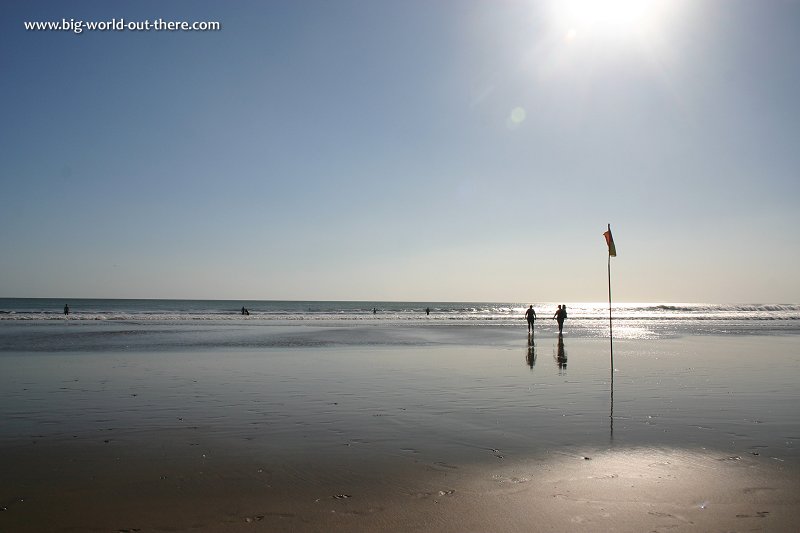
x=20, y=337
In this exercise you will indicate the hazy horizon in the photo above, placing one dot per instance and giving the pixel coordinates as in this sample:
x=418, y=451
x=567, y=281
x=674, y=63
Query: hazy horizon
x=554, y=303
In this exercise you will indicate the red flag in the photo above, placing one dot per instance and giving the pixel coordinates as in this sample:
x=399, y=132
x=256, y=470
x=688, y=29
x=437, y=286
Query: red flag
x=612, y=250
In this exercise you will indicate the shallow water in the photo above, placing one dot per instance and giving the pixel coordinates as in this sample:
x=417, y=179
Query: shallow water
x=421, y=397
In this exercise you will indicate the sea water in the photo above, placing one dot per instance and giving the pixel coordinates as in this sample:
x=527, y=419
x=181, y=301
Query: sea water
x=125, y=323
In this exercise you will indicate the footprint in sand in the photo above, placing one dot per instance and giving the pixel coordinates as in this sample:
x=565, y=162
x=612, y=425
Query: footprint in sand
x=514, y=480
x=753, y=490
x=260, y=517
x=759, y=514
x=426, y=495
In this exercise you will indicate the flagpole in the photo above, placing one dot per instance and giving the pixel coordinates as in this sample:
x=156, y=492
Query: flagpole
x=610, y=327
x=611, y=251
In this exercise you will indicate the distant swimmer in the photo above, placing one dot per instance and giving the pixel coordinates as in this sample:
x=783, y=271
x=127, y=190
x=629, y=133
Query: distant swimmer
x=66, y=309
x=560, y=315
x=245, y=311
x=374, y=310
x=428, y=311
x=530, y=316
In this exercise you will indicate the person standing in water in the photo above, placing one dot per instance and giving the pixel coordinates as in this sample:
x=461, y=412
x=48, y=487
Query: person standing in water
x=560, y=315
x=66, y=309
x=530, y=316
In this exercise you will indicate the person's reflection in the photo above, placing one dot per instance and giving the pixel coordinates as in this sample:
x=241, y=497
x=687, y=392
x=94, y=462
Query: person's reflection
x=561, y=356
x=530, y=354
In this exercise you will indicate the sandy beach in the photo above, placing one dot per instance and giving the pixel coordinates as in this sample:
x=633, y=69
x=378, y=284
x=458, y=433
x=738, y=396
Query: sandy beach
x=115, y=488
x=446, y=436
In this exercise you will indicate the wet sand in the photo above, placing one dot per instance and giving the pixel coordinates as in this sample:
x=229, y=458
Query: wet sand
x=406, y=438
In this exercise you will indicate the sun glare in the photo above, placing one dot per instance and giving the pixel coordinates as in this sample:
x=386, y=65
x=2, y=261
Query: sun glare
x=610, y=19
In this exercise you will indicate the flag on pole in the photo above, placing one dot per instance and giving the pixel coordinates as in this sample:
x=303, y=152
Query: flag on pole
x=612, y=250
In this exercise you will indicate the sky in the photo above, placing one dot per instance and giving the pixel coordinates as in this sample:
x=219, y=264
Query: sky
x=456, y=150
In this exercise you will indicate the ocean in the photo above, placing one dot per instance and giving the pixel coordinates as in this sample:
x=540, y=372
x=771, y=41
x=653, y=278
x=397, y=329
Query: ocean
x=109, y=323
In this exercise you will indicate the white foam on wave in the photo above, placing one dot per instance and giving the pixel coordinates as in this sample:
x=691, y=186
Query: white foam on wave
x=631, y=320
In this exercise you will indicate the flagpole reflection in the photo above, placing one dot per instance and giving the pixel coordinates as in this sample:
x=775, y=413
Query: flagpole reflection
x=611, y=416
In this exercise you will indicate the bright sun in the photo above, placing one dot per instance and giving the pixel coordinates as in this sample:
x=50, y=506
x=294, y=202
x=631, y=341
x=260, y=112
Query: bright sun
x=618, y=19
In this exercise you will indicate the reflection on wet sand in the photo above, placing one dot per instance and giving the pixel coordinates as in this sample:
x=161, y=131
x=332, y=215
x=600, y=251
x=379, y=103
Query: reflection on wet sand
x=530, y=353
x=561, y=356
x=388, y=438
x=647, y=489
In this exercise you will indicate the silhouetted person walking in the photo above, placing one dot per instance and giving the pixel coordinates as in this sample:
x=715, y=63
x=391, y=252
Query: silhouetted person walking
x=560, y=315
x=530, y=316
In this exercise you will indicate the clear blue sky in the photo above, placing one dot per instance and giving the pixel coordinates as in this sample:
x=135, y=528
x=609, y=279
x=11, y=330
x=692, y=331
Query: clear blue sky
x=403, y=150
